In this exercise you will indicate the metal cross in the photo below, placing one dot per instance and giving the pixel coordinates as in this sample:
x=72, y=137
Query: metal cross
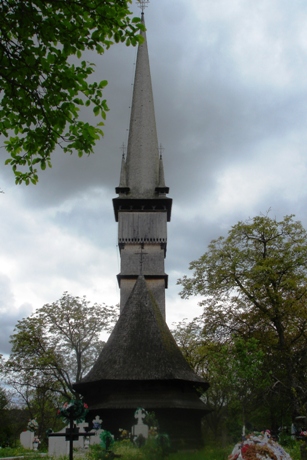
x=143, y=4
x=161, y=149
x=141, y=258
x=72, y=434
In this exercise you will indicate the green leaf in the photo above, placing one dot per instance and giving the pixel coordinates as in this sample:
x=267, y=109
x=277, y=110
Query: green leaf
x=96, y=110
x=103, y=83
x=40, y=110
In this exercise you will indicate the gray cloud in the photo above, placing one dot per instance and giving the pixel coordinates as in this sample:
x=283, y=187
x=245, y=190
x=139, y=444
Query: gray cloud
x=230, y=100
x=9, y=313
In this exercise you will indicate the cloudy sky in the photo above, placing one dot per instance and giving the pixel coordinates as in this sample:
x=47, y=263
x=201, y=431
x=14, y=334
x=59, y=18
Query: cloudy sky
x=229, y=81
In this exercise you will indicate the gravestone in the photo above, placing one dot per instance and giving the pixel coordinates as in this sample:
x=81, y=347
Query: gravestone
x=83, y=428
x=58, y=445
x=140, y=428
x=97, y=422
x=26, y=439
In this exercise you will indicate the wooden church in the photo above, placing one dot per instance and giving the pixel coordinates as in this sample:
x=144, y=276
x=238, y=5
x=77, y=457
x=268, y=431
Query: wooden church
x=141, y=364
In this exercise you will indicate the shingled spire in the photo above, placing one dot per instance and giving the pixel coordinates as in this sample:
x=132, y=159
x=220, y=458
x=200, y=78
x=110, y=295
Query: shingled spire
x=142, y=208
x=143, y=163
x=143, y=153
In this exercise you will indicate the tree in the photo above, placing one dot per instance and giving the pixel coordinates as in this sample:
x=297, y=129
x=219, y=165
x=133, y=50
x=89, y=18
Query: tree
x=254, y=284
x=44, y=81
x=56, y=346
x=236, y=372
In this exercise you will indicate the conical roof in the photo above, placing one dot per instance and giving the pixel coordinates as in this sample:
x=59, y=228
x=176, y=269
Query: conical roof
x=142, y=163
x=141, y=347
x=142, y=184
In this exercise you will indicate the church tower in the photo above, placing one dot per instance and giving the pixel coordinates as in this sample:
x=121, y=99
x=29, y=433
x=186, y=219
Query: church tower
x=141, y=364
x=142, y=209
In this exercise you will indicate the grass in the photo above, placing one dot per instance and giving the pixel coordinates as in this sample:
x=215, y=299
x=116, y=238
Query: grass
x=128, y=452
x=294, y=451
x=207, y=453
x=18, y=452
x=13, y=451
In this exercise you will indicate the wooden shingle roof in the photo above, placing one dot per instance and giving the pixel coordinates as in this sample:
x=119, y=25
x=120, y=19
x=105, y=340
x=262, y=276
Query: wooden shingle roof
x=141, y=347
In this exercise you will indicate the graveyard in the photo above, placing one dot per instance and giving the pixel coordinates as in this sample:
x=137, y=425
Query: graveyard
x=126, y=451
x=81, y=440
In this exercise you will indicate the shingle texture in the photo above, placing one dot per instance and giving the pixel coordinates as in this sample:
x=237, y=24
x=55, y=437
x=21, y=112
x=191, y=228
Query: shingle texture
x=141, y=347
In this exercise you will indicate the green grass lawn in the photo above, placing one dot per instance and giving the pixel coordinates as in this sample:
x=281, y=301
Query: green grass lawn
x=208, y=453
x=212, y=452
x=21, y=452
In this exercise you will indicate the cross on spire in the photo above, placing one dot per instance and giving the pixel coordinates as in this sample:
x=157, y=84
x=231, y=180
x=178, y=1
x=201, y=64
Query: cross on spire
x=143, y=4
x=141, y=258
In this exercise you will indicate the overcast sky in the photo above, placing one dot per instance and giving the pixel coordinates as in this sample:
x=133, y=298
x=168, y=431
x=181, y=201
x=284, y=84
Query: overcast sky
x=229, y=82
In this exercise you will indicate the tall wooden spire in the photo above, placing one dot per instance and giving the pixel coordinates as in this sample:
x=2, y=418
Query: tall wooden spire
x=142, y=208
x=143, y=152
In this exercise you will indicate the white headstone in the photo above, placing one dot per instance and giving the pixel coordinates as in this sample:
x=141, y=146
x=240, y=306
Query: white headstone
x=26, y=439
x=96, y=438
x=58, y=446
x=81, y=441
x=140, y=428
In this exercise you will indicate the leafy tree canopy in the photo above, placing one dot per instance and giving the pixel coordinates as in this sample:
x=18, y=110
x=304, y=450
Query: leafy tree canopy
x=57, y=345
x=44, y=81
x=253, y=285
x=256, y=275
x=236, y=371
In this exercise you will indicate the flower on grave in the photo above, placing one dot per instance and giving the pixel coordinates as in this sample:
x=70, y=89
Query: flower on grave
x=74, y=409
x=258, y=447
x=153, y=431
x=303, y=433
x=96, y=426
x=32, y=425
x=124, y=434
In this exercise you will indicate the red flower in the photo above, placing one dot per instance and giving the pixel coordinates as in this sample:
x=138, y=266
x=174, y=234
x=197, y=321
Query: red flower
x=244, y=449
